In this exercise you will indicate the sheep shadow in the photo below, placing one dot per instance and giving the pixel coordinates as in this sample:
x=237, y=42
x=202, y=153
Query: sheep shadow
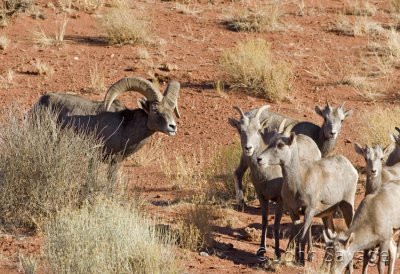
x=87, y=40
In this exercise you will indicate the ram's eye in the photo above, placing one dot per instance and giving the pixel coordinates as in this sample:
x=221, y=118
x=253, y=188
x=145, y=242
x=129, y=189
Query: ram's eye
x=281, y=145
x=339, y=258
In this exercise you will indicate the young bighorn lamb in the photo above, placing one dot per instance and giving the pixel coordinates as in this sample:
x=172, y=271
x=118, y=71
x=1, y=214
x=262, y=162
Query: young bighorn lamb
x=313, y=188
x=377, y=174
x=250, y=132
x=267, y=181
x=373, y=224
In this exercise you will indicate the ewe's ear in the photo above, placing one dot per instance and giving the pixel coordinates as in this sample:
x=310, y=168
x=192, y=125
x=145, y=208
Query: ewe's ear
x=318, y=110
x=234, y=123
x=143, y=104
x=348, y=113
x=359, y=149
x=292, y=138
x=349, y=241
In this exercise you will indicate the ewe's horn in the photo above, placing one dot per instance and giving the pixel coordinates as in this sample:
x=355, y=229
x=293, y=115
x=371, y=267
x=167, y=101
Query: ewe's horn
x=132, y=84
x=240, y=111
x=171, y=96
x=398, y=129
x=259, y=111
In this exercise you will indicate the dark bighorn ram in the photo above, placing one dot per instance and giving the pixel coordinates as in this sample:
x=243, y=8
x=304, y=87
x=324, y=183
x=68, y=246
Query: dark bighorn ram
x=123, y=130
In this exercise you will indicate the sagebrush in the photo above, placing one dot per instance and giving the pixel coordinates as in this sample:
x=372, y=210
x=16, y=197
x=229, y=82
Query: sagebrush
x=250, y=65
x=108, y=237
x=45, y=168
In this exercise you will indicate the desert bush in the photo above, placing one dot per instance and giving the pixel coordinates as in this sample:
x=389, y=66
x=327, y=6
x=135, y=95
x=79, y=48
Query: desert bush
x=360, y=8
x=97, y=84
x=222, y=167
x=359, y=27
x=149, y=153
x=6, y=80
x=108, y=237
x=250, y=65
x=377, y=124
x=185, y=170
x=40, y=38
x=125, y=27
x=44, y=169
x=29, y=264
x=264, y=18
x=395, y=5
x=12, y=7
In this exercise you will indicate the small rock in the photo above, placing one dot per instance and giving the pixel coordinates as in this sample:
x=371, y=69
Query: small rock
x=76, y=58
x=157, y=196
x=204, y=254
x=168, y=67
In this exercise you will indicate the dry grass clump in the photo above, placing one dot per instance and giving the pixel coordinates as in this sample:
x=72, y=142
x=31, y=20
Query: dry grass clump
x=149, y=153
x=7, y=80
x=97, y=83
x=42, y=68
x=88, y=6
x=11, y=7
x=40, y=38
x=359, y=27
x=195, y=230
x=222, y=167
x=28, y=264
x=264, y=18
x=360, y=8
x=107, y=237
x=4, y=42
x=395, y=5
x=185, y=170
x=250, y=66
x=44, y=169
x=377, y=124
x=125, y=27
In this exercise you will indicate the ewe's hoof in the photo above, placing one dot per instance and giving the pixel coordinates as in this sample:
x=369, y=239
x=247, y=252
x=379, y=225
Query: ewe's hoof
x=310, y=257
x=240, y=206
x=261, y=254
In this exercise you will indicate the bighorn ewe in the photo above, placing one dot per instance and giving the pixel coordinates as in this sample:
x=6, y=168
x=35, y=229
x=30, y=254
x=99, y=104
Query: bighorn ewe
x=123, y=130
x=326, y=135
x=373, y=224
x=392, y=151
x=313, y=188
x=251, y=131
x=377, y=174
x=267, y=181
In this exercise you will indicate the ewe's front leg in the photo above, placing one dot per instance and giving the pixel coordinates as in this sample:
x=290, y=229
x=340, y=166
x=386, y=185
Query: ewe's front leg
x=392, y=256
x=277, y=226
x=238, y=177
x=308, y=217
x=264, y=224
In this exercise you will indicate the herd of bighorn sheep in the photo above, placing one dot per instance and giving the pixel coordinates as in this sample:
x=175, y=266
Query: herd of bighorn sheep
x=291, y=163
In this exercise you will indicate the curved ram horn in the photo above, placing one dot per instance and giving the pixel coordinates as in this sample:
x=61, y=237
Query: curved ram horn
x=131, y=84
x=258, y=114
x=398, y=129
x=171, y=96
x=240, y=111
x=282, y=126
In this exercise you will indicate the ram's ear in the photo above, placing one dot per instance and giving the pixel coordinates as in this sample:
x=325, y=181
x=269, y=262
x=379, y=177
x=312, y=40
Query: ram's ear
x=143, y=104
x=292, y=138
x=348, y=113
x=234, y=123
x=319, y=111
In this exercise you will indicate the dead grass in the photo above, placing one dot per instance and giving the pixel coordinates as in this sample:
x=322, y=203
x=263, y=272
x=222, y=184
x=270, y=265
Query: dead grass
x=360, y=8
x=149, y=153
x=219, y=88
x=250, y=66
x=28, y=264
x=358, y=26
x=44, y=169
x=42, y=68
x=6, y=81
x=108, y=237
x=263, y=18
x=88, y=6
x=97, y=83
x=395, y=5
x=126, y=27
x=377, y=124
x=188, y=9
x=185, y=171
x=4, y=42
x=42, y=39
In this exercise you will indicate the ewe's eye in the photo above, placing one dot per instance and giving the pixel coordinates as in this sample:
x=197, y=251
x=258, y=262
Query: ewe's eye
x=339, y=258
x=281, y=145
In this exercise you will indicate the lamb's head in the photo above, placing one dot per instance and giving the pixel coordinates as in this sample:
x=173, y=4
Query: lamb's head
x=280, y=150
x=373, y=157
x=250, y=129
x=337, y=253
x=159, y=108
x=333, y=119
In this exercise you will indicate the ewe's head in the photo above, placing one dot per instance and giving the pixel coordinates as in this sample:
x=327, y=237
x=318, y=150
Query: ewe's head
x=279, y=151
x=373, y=158
x=337, y=253
x=333, y=119
x=159, y=108
x=250, y=129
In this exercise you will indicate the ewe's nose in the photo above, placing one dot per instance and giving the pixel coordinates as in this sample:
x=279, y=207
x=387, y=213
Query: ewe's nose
x=374, y=171
x=259, y=160
x=333, y=134
x=248, y=148
x=172, y=126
